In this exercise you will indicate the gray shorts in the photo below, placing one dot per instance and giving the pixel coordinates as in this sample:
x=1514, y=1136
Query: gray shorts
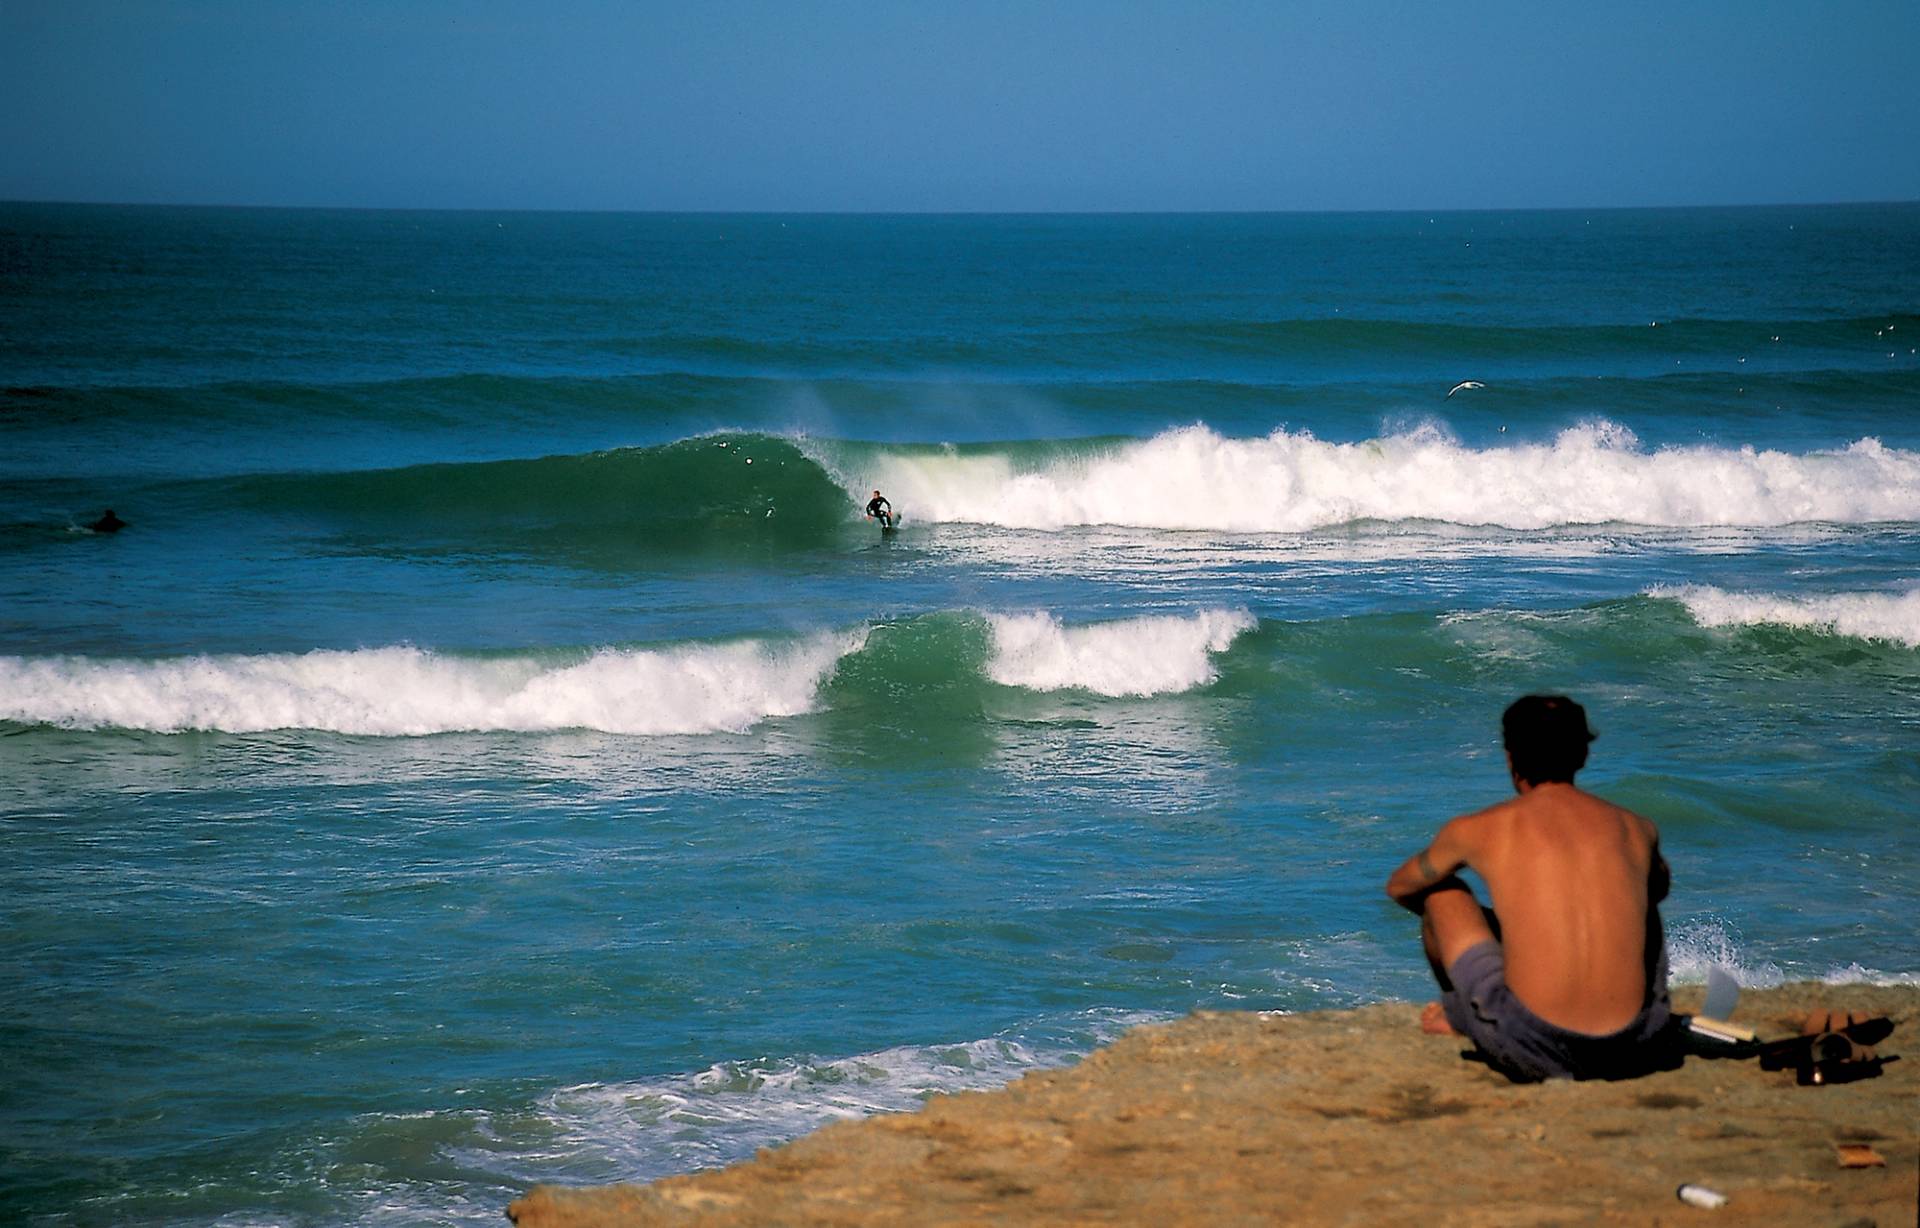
x=1527, y=1048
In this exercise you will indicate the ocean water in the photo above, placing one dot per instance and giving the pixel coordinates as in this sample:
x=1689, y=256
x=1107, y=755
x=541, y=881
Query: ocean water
x=498, y=750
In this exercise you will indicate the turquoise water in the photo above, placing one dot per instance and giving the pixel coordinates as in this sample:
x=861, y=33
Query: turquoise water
x=498, y=750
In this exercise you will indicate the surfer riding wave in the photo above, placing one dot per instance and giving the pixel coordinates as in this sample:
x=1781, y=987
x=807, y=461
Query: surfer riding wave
x=879, y=509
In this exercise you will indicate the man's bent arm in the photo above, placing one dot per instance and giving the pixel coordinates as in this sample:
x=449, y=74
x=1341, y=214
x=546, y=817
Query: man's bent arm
x=1427, y=868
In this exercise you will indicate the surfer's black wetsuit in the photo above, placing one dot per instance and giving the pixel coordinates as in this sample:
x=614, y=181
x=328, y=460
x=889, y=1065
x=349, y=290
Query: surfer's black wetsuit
x=879, y=507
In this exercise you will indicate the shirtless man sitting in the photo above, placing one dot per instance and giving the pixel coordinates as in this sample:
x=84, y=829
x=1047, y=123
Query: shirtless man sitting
x=1565, y=976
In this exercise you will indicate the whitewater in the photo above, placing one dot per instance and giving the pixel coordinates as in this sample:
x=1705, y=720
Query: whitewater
x=682, y=689
x=1193, y=478
x=732, y=490
x=406, y=691
x=1894, y=617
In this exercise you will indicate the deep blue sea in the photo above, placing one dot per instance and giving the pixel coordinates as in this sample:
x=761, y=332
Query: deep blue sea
x=498, y=750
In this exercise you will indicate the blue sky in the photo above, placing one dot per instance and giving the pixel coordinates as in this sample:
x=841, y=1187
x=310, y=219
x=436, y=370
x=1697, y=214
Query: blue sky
x=733, y=104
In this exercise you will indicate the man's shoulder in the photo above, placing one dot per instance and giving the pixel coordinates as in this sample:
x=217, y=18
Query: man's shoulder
x=1634, y=819
x=1488, y=814
x=1475, y=824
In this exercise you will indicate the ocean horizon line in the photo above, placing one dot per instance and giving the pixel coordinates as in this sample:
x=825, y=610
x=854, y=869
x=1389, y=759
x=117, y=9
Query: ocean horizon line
x=613, y=211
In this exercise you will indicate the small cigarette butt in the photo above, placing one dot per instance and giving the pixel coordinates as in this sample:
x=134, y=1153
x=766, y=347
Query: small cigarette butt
x=1702, y=1197
x=1859, y=1155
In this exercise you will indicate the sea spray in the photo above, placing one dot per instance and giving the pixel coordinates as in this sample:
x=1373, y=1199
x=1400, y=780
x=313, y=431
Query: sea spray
x=1703, y=943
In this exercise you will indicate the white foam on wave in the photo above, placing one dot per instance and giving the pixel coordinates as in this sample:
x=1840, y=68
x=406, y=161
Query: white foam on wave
x=1153, y=655
x=1287, y=482
x=1856, y=974
x=403, y=691
x=1696, y=946
x=1894, y=617
x=648, y=1128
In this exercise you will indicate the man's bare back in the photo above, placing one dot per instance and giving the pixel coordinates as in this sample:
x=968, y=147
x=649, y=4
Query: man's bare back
x=1565, y=972
x=1571, y=878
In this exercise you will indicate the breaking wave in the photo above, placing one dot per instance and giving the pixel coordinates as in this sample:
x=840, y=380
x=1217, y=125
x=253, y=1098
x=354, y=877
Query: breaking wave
x=688, y=688
x=748, y=492
x=1194, y=478
x=1154, y=655
x=401, y=691
x=1699, y=945
x=1893, y=617
x=938, y=670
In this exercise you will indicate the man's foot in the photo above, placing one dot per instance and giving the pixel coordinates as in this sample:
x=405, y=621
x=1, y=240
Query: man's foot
x=1433, y=1020
x=1818, y=1021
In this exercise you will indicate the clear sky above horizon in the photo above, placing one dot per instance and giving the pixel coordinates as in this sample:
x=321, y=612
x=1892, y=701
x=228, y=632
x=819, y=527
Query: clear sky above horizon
x=750, y=105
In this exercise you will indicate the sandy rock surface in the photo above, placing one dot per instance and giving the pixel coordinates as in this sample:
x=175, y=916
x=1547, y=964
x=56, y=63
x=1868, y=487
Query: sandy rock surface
x=1341, y=1117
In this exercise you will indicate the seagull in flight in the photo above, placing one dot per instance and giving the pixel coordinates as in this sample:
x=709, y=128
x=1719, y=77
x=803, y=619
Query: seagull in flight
x=1465, y=383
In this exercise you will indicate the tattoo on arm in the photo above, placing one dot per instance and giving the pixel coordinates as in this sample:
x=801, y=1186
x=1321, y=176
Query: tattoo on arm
x=1426, y=866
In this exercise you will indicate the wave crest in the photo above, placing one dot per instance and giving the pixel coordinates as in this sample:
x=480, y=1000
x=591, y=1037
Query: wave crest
x=1893, y=617
x=402, y=691
x=1154, y=655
